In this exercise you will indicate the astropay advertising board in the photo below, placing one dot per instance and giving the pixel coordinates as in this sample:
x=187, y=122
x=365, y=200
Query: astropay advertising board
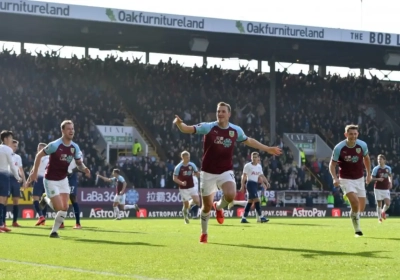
x=100, y=14
x=107, y=212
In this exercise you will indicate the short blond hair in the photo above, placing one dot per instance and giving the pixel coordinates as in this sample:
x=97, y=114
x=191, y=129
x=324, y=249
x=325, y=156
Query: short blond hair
x=350, y=127
x=224, y=104
x=254, y=154
x=64, y=123
x=185, y=153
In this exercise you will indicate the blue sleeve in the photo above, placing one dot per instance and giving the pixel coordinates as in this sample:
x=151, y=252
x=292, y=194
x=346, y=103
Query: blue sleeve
x=177, y=169
x=112, y=179
x=364, y=147
x=194, y=167
x=241, y=136
x=51, y=148
x=78, y=153
x=121, y=179
x=203, y=128
x=375, y=171
x=336, y=153
x=390, y=169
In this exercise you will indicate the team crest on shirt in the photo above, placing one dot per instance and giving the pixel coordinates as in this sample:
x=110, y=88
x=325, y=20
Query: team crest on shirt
x=231, y=133
x=387, y=170
x=190, y=168
x=72, y=150
x=227, y=143
x=358, y=150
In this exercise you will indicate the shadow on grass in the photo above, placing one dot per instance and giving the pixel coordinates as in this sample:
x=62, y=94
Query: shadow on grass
x=226, y=225
x=93, y=229
x=384, y=238
x=111, y=242
x=309, y=253
x=97, y=241
x=300, y=225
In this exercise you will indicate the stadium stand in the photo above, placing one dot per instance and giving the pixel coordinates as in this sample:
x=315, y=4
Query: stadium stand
x=37, y=94
x=66, y=87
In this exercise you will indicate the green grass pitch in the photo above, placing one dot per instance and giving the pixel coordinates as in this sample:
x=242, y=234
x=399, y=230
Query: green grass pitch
x=286, y=248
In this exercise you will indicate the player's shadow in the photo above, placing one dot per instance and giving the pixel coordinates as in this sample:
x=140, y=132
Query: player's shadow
x=30, y=234
x=308, y=253
x=111, y=231
x=98, y=241
x=385, y=238
x=300, y=225
x=111, y=242
x=226, y=225
x=94, y=229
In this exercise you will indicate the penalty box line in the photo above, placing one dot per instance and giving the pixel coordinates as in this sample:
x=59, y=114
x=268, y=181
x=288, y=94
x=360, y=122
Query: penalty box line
x=75, y=269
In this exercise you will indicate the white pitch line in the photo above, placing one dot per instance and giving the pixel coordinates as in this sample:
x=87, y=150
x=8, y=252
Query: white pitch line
x=75, y=269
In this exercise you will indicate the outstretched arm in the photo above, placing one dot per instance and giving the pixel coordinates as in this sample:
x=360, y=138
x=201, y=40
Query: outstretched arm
x=103, y=178
x=253, y=143
x=182, y=126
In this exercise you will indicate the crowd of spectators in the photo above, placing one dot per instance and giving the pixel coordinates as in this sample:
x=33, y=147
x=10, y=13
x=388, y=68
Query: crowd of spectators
x=324, y=105
x=306, y=103
x=91, y=91
x=37, y=93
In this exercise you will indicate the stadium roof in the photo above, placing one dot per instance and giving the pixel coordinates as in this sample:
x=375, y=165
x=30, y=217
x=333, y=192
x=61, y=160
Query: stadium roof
x=111, y=36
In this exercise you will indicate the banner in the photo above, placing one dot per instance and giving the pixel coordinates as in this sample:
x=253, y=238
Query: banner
x=46, y=9
x=172, y=197
x=117, y=134
x=142, y=197
x=154, y=212
x=121, y=137
x=307, y=142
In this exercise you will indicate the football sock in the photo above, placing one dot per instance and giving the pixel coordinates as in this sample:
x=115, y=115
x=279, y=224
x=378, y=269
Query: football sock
x=77, y=213
x=204, y=222
x=247, y=210
x=116, y=212
x=60, y=217
x=242, y=203
x=355, y=219
x=258, y=208
x=222, y=203
x=379, y=212
x=37, y=208
x=44, y=211
x=386, y=207
x=1, y=215
x=15, y=213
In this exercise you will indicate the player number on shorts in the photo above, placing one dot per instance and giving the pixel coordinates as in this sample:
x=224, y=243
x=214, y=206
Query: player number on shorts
x=232, y=175
x=72, y=189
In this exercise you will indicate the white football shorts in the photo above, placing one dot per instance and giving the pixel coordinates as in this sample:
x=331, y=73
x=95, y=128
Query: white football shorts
x=356, y=186
x=186, y=194
x=381, y=194
x=211, y=183
x=120, y=199
x=54, y=188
